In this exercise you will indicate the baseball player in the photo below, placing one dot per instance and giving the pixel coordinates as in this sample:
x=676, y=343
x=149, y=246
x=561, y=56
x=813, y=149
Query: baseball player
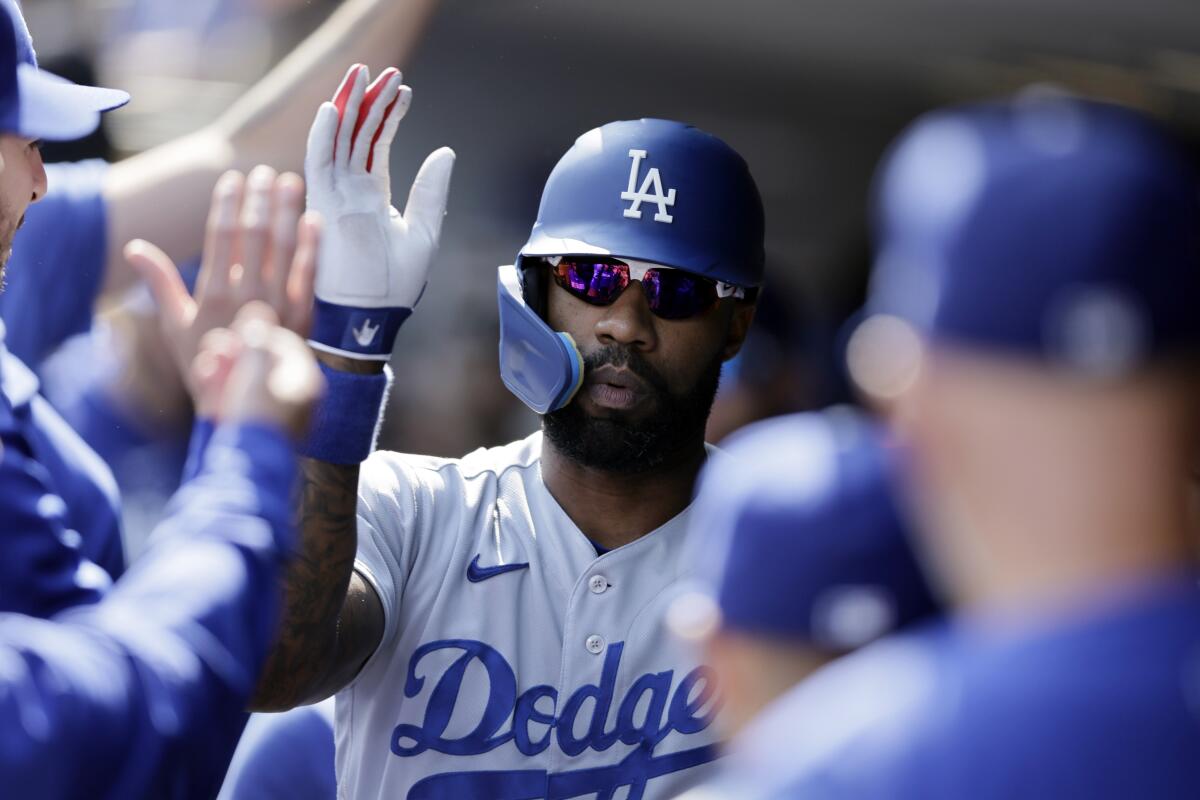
x=1032, y=328
x=73, y=473
x=802, y=556
x=139, y=693
x=77, y=476
x=494, y=626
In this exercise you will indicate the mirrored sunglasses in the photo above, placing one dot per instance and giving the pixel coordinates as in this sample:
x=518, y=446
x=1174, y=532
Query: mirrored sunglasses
x=670, y=293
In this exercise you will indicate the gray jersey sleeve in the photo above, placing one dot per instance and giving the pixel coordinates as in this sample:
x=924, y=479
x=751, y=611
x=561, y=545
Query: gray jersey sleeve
x=388, y=524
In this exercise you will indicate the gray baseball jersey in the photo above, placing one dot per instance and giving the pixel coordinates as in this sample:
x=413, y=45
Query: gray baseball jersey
x=515, y=662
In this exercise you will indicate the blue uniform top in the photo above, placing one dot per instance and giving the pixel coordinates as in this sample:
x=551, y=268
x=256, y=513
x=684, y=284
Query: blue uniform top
x=288, y=756
x=1105, y=705
x=141, y=694
x=42, y=570
x=51, y=282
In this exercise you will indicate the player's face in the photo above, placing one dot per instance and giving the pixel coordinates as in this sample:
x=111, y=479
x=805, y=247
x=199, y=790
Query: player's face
x=648, y=383
x=22, y=181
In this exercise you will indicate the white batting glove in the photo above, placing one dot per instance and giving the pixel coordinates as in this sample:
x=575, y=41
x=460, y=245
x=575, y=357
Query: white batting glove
x=374, y=261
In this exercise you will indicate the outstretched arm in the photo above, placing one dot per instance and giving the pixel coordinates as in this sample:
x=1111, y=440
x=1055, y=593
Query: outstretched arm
x=161, y=194
x=332, y=619
x=373, y=267
x=144, y=689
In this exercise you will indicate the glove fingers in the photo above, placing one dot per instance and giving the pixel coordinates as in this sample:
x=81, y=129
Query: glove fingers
x=342, y=95
x=376, y=103
x=427, y=199
x=381, y=146
x=346, y=87
x=349, y=111
x=220, y=235
x=318, y=157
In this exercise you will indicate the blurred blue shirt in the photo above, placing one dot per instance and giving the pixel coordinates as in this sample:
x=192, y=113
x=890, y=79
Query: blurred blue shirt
x=141, y=694
x=286, y=756
x=1102, y=705
x=51, y=282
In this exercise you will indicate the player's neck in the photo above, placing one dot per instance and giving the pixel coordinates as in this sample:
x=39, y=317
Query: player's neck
x=1047, y=488
x=1041, y=543
x=614, y=509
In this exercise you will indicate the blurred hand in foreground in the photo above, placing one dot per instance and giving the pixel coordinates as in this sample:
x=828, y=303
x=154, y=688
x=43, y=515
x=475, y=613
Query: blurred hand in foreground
x=259, y=246
x=257, y=371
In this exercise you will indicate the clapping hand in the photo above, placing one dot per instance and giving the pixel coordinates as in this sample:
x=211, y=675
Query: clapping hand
x=259, y=246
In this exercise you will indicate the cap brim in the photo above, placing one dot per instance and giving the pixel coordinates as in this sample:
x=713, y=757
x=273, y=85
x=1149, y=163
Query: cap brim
x=53, y=108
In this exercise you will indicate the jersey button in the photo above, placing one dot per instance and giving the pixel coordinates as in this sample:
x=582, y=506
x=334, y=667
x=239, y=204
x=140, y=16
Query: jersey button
x=594, y=644
x=598, y=584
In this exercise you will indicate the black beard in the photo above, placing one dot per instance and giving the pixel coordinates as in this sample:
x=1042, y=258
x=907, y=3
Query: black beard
x=613, y=444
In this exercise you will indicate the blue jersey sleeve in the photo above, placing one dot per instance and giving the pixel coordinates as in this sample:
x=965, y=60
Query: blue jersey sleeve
x=202, y=433
x=57, y=263
x=287, y=756
x=141, y=694
x=42, y=571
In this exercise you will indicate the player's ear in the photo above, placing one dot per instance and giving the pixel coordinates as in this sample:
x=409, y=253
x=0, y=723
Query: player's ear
x=739, y=327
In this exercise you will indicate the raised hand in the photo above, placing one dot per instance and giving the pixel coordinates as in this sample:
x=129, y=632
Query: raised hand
x=257, y=371
x=374, y=260
x=259, y=245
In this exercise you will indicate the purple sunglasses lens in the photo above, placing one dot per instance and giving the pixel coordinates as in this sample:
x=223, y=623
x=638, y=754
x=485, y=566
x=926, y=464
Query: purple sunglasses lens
x=596, y=282
x=671, y=294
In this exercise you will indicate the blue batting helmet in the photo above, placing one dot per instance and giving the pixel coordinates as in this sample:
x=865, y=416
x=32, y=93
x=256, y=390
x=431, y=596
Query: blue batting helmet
x=649, y=189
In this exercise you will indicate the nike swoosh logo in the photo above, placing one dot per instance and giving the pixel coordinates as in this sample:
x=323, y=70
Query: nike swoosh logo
x=476, y=573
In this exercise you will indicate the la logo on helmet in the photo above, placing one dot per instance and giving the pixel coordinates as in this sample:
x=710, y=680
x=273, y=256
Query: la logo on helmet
x=653, y=182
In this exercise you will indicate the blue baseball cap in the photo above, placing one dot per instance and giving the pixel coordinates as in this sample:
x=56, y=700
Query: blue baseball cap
x=798, y=534
x=1045, y=225
x=654, y=190
x=37, y=104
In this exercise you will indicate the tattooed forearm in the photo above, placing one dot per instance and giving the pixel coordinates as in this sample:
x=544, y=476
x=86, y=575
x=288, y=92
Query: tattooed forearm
x=331, y=622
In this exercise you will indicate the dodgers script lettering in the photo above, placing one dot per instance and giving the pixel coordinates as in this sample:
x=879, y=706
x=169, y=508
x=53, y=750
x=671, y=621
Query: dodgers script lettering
x=533, y=720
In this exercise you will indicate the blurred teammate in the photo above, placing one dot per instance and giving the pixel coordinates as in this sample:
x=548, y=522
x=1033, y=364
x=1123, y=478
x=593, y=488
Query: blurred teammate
x=286, y=756
x=141, y=694
x=1032, y=326
x=115, y=383
x=138, y=694
x=802, y=557
x=500, y=630
x=801, y=554
x=35, y=105
x=261, y=234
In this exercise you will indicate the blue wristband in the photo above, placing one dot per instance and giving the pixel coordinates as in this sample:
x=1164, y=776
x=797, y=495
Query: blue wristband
x=346, y=422
x=367, y=333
